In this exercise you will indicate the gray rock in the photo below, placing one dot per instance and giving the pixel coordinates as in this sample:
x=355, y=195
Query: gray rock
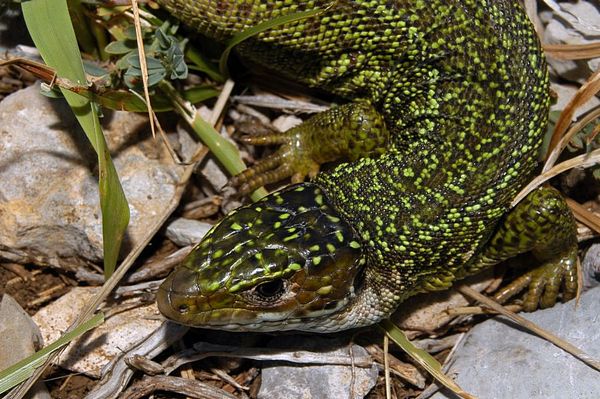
x=214, y=174
x=591, y=266
x=184, y=232
x=49, y=205
x=572, y=23
x=498, y=360
x=19, y=337
x=565, y=93
x=284, y=380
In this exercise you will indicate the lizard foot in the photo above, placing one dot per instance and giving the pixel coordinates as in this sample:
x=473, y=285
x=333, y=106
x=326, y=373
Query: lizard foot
x=544, y=282
x=541, y=224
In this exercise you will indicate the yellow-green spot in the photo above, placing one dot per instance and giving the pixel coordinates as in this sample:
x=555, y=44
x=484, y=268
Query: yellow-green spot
x=324, y=290
x=218, y=253
x=235, y=288
x=316, y=260
x=213, y=286
x=292, y=237
x=295, y=266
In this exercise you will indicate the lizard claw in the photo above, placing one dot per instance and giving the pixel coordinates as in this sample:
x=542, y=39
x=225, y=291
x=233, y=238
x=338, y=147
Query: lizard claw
x=544, y=282
x=292, y=160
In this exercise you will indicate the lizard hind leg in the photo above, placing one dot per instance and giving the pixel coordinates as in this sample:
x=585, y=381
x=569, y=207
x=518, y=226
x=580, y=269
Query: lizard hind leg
x=543, y=224
x=347, y=132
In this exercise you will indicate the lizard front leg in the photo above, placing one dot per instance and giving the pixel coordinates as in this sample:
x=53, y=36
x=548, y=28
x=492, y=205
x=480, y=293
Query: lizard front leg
x=347, y=132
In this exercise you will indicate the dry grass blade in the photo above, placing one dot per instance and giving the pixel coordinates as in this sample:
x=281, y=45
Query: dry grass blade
x=39, y=70
x=562, y=144
x=423, y=358
x=221, y=102
x=585, y=92
x=386, y=366
x=564, y=345
x=143, y=66
x=573, y=51
x=584, y=216
x=581, y=161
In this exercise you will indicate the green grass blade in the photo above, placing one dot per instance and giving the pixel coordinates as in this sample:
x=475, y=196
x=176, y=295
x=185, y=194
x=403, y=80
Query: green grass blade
x=223, y=150
x=227, y=154
x=23, y=369
x=200, y=63
x=50, y=28
x=256, y=29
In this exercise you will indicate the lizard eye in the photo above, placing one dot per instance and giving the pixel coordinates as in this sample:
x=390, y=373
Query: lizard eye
x=183, y=308
x=271, y=290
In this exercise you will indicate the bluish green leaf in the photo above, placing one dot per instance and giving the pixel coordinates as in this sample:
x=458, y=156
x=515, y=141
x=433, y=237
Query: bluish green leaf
x=121, y=47
x=151, y=62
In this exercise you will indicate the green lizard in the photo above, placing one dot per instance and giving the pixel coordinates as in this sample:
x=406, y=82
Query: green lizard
x=447, y=103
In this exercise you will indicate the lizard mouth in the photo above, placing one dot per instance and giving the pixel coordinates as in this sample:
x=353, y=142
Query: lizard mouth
x=180, y=299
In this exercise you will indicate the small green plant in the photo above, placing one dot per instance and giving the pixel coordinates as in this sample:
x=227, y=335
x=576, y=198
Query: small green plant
x=164, y=57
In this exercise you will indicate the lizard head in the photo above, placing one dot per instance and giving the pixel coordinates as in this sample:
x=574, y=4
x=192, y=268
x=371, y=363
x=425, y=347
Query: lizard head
x=282, y=263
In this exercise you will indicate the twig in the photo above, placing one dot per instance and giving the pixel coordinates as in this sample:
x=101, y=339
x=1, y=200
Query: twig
x=118, y=374
x=203, y=350
x=183, y=386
